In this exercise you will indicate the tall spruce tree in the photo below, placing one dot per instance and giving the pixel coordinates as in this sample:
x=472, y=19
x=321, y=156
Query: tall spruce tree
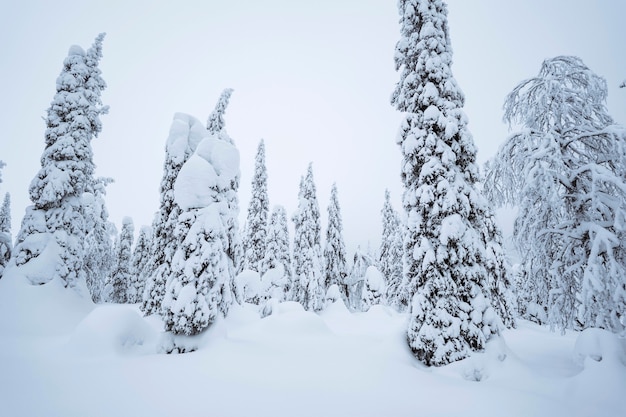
x=234, y=252
x=201, y=285
x=444, y=247
x=336, y=269
x=308, y=286
x=56, y=192
x=256, y=230
x=138, y=262
x=565, y=171
x=121, y=276
x=99, y=258
x=184, y=135
x=390, y=256
x=277, y=253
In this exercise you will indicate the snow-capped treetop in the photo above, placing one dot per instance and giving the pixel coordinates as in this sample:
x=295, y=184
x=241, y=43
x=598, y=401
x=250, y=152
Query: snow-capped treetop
x=564, y=93
x=2, y=165
x=424, y=56
x=185, y=134
x=215, y=123
x=73, y=120
x=214, y=165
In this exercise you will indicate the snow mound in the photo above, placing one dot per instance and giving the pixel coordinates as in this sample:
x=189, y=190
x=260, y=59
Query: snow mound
x=113, y=329
x=40, y=310
x=601, y=346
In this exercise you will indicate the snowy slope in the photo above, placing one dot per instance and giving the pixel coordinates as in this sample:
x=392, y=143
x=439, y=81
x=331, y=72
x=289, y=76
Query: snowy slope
x=62, y=356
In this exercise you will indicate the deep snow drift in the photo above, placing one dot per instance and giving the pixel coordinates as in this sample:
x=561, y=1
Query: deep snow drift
x=60, y=355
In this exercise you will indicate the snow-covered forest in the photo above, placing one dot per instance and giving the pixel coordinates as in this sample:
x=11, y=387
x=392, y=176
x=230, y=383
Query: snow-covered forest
x=223, y=308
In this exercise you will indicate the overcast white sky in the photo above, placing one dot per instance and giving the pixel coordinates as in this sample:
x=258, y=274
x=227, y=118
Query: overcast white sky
x=311, y=78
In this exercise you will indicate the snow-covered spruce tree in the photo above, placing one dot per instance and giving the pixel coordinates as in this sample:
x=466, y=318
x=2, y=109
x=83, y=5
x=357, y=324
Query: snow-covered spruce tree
x=56, y=217
x=184, y=135
x=565, y=171
x=99, y=259
x=277, y=252
x=121, y=276
x=258, y=210
x=444, y=246
x=390, y=257
x=216, y=126
x=138, y=262
x=374, y=288
x=336, y=269
x=356, y=278
x=5, y=230
x=308, y=287
x=200, y=287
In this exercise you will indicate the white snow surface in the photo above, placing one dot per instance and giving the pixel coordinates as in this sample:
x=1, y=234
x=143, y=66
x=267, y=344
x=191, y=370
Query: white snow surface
x=61, y=355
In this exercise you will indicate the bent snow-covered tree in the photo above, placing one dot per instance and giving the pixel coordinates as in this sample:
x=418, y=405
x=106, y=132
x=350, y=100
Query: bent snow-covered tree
x=55, y=221
x=258, y=210
x=444, y=248
x=565, y=171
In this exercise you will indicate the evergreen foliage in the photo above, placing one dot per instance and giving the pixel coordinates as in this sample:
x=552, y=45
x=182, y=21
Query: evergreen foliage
x=390, y=257
x=445, y=269
x=185, y=132
x=99, y=258
x=277, y=252
x=120, y=284
x=6, y=245
x=258, y=210
x=336, y=269
x=73, y=120
x=201, y=285
x=138, y=265
x=565, y=171
x=356, y=279
x=307, y=287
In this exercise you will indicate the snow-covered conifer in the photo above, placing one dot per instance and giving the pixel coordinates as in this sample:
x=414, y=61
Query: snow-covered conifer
x=390, y=257
x=121, y=277
x=99, y=259
x=138, y=261
x=374, y=288
x=234, y=251
x=336, y=269
x=258, y=210
x=308, y=287
x=277, y=252
x=5, y=230
x=56, y=216
x=184, y=135
x=565, y=171
x=444, y=249
x=356, y=278
x=201, y=284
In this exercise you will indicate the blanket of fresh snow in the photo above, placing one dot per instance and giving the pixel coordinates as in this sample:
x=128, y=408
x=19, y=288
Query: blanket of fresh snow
x=60, y=355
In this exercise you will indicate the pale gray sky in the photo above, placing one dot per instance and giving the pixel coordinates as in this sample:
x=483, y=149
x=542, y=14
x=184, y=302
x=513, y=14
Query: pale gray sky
x=311, y=78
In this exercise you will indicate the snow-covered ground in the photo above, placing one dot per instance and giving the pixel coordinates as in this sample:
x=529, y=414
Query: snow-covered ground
x=62, y=356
